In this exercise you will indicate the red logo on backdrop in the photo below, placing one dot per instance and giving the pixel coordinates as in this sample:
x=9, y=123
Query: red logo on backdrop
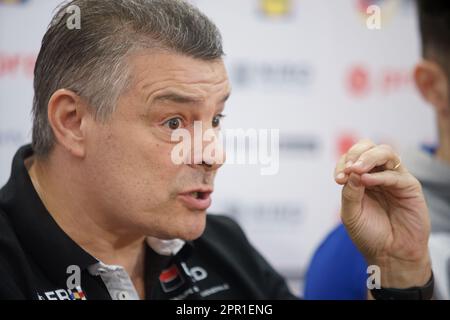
x=344, y=142
x=393, y=80
x=12, y=64
x=363, y=4
x=389, y=8
x=360, y=82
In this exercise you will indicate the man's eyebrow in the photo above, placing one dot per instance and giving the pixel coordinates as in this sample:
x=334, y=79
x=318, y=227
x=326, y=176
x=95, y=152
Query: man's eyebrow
x=224, y=99
x=177, y=98
x=180, y=98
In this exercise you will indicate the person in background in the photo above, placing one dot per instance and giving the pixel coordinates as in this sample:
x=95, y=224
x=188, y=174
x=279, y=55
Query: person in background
x=337, y=269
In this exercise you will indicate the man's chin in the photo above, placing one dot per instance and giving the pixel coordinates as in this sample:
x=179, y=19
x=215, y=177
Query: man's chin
x=193, y=230
x=188, y=226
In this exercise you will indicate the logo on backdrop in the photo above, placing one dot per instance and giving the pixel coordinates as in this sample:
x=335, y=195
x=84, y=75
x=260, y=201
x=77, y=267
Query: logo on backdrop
x=276, y=8
x=281, y=75
x=14, y=64
x=13, y=2
x=344, y=142
x=360, y=81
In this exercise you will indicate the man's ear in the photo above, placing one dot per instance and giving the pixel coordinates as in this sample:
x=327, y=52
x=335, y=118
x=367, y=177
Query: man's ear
x=432, y=83
x=68, y=115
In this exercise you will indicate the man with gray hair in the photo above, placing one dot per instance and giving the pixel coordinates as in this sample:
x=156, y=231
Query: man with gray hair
x=96, y=208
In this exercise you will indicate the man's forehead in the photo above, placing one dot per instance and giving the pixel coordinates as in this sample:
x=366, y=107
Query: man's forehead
x=159, y=67
x=178, y=78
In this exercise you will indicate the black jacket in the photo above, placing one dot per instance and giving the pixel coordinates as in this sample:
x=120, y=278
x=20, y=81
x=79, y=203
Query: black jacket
x=35, y=254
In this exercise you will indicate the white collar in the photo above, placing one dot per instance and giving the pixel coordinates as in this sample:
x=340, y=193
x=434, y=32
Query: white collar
x=165, y=247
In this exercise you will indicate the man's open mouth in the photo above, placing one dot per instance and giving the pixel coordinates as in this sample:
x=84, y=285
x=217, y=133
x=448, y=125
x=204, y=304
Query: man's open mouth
x=196, y=199
x=199, y=194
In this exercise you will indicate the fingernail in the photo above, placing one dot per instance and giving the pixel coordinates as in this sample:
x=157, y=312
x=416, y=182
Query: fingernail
x=354, y=181
x=340, y=176
x=358, y=164
x=348, y=164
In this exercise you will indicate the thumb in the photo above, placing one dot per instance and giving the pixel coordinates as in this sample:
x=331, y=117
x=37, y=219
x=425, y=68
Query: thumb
x=352, y=195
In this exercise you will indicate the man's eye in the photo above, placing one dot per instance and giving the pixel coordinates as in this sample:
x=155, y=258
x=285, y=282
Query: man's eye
x=216, y=120
x=173, y=124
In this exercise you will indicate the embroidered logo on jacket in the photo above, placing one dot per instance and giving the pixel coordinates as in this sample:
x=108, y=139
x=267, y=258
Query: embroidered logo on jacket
x=171, y=279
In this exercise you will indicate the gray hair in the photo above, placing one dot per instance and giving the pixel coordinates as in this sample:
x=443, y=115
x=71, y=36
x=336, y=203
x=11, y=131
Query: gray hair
x=91, y=61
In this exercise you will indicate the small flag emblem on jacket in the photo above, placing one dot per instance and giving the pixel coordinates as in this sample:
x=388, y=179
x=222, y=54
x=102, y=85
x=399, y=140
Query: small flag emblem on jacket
x=77, y=294
x=171, y=279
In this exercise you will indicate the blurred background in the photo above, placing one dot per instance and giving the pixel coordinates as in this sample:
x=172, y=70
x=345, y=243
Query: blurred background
x=313, y=69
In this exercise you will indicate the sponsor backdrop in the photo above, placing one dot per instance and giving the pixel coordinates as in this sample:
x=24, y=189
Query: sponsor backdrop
x=312, y=69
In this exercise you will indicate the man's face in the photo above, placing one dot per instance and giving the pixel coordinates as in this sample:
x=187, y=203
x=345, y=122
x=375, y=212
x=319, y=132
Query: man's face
x=129, y=157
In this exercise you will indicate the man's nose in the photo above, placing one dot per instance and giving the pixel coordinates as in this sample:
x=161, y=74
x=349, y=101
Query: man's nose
x=212, y=154
x=211, y=163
